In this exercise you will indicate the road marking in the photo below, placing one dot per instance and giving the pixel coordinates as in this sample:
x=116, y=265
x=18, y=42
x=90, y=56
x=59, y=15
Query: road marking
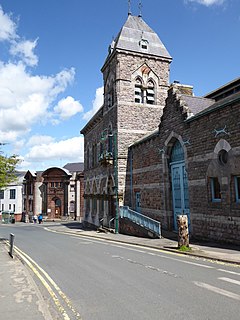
x=30, y=262
x=230, y=280
x=231, y=272
x=165, y=272
x=158, y=251
x=217, y=290
x=187, y=262
x=44, y=282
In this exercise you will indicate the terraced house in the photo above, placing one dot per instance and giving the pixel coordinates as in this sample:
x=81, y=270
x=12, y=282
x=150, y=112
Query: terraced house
x=156, y=149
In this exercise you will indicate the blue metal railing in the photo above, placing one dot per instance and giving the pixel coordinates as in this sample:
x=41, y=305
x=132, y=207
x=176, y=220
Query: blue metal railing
x=140, y=219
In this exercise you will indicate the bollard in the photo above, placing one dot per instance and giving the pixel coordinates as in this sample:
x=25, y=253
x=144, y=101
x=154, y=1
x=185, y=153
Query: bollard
x=183, y=235
x=11, y=240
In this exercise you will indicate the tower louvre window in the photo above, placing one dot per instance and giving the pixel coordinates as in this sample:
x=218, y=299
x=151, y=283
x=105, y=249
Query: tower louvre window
x=150, y=93
x=138, y=91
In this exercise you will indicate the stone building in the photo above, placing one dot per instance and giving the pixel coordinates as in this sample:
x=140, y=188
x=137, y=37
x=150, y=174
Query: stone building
x=136, y=80
x=191, y=164
x=158, y=151
x=57, y=193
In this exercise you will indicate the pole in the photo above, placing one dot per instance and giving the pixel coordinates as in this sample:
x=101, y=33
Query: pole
x=11, y=240
x=116, y=182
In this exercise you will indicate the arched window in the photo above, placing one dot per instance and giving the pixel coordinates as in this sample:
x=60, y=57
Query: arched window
x=94, y=155
x=138, y=91
x=110, y=95
x=88, y=159
x=150, y=93
x=177, y=153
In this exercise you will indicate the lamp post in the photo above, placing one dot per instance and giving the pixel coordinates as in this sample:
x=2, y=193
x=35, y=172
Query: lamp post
x=116, y=182
x=104, y=135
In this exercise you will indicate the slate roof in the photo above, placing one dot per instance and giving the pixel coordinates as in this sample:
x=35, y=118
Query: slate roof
x=74, y=167
x=196, y=104
x=134, y=30
x=20, y=174
x=232, y=99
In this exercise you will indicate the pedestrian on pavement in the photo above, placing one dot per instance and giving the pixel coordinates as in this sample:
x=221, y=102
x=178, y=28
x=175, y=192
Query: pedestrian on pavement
x=40, y=218
x=35, y=218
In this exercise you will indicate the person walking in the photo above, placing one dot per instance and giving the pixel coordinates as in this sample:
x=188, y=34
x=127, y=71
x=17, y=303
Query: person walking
x=35, y=218
x=40, y=218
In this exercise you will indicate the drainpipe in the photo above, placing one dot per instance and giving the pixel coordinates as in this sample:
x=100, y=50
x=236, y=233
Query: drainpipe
x=116, y=182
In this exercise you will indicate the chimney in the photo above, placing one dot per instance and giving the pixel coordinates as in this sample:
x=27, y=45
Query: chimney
x=182, y=88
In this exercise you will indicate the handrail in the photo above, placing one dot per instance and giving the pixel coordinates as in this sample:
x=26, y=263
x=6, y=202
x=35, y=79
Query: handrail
x=109, y=224
x=142, y=220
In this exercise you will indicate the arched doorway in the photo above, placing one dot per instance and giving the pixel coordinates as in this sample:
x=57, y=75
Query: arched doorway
x=57, y=208
x=179, y=178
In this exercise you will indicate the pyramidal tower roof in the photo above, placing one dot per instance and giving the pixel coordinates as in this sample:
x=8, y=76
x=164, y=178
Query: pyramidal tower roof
x=134, y=32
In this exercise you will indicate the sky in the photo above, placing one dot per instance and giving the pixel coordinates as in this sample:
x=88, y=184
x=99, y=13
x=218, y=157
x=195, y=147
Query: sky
x=51, y=53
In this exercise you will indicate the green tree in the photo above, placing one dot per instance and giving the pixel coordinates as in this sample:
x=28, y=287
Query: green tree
x=7, y=170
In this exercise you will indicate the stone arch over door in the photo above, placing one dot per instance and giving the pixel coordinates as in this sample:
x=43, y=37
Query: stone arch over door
x=179, y=183
x=169, y=168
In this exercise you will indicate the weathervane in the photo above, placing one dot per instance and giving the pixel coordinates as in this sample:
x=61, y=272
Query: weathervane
x=129, y=7
x=140, y=6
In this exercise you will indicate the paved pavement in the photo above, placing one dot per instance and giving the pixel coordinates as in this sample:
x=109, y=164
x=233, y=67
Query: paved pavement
x=20, y=297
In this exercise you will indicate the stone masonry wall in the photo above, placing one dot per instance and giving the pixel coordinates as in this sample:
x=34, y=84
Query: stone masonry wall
x=209, y=220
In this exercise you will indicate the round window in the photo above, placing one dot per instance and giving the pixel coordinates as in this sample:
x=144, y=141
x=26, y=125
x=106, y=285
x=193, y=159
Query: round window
x=223, y=157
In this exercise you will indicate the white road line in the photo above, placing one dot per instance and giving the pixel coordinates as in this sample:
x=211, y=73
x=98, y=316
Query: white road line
x=230, y=280
x=217, y=290
x=231, y=272
x=187, y=262
x=128, y=245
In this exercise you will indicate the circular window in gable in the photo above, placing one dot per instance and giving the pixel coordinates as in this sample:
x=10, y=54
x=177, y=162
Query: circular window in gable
x=223, y=157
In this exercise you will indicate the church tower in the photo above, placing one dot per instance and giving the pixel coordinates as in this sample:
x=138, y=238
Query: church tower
x=136, y=81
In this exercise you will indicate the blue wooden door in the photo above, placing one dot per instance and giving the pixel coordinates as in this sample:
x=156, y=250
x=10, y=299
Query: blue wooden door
x=180, y=192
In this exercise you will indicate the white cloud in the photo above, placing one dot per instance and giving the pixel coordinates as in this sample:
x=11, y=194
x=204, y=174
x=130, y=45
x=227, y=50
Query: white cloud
x=207, y=2
x=39, y=140
x=68, y=107
x=25, y=51
x=71, y=149
x=7, y=27
x=96, y=104
x=25, y=99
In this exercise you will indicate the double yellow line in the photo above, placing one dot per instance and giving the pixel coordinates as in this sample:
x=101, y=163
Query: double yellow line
x=47, y=283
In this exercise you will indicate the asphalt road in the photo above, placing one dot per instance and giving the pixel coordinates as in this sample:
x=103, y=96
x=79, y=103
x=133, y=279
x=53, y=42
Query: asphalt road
x=101, y=280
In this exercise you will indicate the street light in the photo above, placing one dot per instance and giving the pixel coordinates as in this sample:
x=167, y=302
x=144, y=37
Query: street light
x=104, y=135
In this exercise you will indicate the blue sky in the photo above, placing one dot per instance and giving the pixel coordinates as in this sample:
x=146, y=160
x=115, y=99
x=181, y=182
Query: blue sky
x=51, y=53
